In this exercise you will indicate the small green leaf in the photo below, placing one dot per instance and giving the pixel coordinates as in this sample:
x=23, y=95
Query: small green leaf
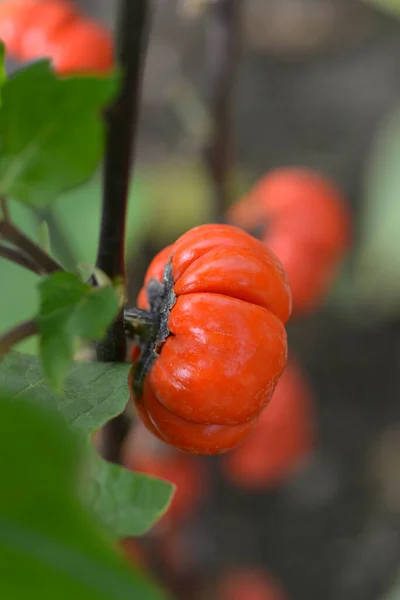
x=49, y=546
x=110, y=491
x=70, y=310
x=93, y=392
x=126, y=503
x=51, y=131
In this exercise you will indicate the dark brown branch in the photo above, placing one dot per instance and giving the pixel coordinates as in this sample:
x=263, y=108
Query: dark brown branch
x=16, y=237
x=122, y=119
x=17, y=257
x=17, y=334
x=222, y=41
x=122, y=122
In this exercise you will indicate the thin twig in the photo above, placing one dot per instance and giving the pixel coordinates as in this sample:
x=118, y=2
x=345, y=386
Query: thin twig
x=122, y=119
x=9, y=232
x=17, y=257
x=17, y=334
x=222, y=41
x=4, y=209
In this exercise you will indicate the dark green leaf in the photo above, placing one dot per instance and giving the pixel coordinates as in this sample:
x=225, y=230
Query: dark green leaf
x=70, y=310
x=111, y=487
x=49, y=546
x=126, y=503
x=93, y=392
x=51, y=132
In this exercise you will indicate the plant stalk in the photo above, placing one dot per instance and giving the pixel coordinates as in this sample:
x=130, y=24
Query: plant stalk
x=12, y=234
x=121, y=128
x=222, y=45
x=17, y=334
x=18, y=258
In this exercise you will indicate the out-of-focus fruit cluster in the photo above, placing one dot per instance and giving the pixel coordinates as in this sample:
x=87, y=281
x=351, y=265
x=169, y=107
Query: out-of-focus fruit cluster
x=55, y=29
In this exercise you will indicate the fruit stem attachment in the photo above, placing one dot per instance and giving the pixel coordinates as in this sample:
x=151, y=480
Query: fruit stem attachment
x=222, y=46
x=139, y=323
x=121, y=127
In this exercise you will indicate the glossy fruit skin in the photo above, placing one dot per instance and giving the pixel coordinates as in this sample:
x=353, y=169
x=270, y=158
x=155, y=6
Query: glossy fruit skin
x=306, y=224
x=55, y=29
x=248, y=584
x=227, y=349
x=282, y=439
x=185, y=472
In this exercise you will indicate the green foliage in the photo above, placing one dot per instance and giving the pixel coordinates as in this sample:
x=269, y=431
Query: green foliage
x=93, y=392
x=54, y=141
x=76, y=215
x=49, y=546
x=126, y=503
x=107, y=492
x=70, y=310
x=51, y=139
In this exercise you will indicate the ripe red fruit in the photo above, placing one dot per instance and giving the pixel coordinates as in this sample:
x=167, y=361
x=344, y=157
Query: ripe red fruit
x=306, y=224
x=248, y=584
x=14, y=17
x=45, y=23
x=82, y=47
x=185, y=472
x=55, y=29
x=283, y=437
x=226, y=349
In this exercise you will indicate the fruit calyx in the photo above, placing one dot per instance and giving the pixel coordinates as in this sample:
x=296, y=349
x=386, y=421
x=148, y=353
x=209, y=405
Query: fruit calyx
x=149, y=328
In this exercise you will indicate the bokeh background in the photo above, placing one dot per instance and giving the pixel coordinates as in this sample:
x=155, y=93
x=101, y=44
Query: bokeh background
x=317, y=84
